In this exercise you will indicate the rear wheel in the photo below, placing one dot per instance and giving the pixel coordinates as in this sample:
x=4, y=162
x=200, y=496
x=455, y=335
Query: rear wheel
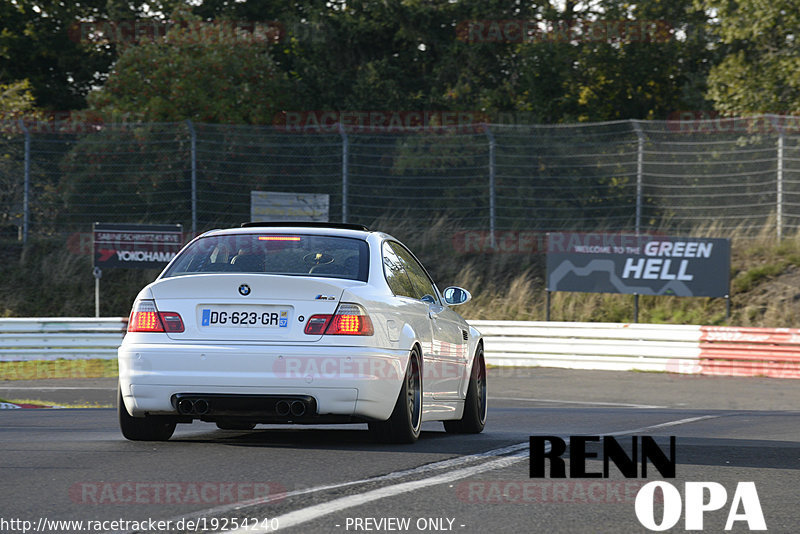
x=147, y=428
x=474, y=418
x=403, y=426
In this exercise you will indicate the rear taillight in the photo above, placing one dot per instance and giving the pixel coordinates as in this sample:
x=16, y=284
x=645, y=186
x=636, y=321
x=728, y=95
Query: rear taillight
x=146, y=318
x=350, y=325
x=317, y=324
x=349, y=320
x=172, y=321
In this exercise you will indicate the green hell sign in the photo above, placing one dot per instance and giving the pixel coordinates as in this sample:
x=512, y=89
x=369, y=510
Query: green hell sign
x=638, y=264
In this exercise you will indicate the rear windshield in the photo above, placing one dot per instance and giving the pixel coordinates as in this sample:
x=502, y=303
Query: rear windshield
x=305, y=255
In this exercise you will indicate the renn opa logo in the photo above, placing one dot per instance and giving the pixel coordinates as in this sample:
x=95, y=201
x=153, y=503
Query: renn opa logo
x=699, y=497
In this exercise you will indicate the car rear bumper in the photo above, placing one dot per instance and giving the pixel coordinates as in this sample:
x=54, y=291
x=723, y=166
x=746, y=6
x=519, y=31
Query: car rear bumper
x=358, y=382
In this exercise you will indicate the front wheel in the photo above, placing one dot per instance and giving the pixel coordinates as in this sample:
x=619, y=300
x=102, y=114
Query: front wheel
x=147, y=428
x=474, y=418
x=403, y=426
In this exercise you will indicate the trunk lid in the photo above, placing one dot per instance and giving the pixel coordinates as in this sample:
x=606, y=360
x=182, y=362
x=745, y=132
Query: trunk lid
x=241, y=307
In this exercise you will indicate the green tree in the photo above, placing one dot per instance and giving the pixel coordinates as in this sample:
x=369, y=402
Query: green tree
x=39, y=42
x=18, y=113
x=202, y=72
x=623, y=61
x=16, y=101
x=355, y=55
x=760, y=72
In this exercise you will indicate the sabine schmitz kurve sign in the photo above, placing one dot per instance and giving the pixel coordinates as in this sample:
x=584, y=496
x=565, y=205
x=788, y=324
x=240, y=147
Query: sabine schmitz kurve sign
x=136, y=246
x=644, y=264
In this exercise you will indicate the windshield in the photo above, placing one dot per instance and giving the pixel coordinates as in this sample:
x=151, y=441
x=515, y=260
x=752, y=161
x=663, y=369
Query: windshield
x=296, y=254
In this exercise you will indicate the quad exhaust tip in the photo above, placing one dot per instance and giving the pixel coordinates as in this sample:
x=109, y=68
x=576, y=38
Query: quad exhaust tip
x=188, y=406
x=282, y=408
x=298, y=408
x=185, y=406
x=201, y=406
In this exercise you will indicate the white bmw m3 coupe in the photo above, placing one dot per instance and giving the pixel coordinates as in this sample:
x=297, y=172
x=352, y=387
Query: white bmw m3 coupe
x=301, y=323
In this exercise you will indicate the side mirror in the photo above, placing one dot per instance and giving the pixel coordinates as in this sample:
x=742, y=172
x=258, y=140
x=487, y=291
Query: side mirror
x=455, y=295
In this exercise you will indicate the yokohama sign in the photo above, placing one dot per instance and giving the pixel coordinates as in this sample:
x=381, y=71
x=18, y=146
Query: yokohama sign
x=135, y=246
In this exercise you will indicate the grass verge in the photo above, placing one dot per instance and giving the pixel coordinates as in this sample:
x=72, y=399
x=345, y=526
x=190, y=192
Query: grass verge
x=37, y=402
x=39, y=369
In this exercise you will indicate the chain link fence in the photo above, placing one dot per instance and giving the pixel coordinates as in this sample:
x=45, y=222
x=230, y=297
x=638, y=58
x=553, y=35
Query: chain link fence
x=57, y=178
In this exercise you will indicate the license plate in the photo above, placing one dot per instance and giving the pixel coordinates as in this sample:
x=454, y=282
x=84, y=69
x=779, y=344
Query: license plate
x=252, y=317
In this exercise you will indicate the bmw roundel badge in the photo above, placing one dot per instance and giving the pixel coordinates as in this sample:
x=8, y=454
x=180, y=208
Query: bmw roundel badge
x=244, y=290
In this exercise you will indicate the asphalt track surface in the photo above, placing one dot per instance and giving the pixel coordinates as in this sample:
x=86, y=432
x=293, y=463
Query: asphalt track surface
x=73, y=464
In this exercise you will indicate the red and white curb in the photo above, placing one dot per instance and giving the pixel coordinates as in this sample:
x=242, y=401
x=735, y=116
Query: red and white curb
x=12, y=406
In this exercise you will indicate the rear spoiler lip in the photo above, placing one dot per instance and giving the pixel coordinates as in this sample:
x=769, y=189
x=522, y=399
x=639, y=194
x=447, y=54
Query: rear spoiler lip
x=304, y=224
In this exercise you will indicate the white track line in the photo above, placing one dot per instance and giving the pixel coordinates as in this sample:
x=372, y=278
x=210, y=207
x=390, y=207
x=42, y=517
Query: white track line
x=588, y=403
x=664, y=425
x=436, y=466
x=304, y=515
x=317, y=511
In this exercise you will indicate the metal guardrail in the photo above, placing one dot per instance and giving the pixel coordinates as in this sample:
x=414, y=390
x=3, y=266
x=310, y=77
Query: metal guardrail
x=53, y=338
x=605, y=346
x=690, y=349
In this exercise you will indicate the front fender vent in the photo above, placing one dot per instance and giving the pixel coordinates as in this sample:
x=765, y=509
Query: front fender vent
x=465, y=335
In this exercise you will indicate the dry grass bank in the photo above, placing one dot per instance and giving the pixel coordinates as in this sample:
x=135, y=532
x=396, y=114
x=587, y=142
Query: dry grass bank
x=765, y=283
x=48, y=280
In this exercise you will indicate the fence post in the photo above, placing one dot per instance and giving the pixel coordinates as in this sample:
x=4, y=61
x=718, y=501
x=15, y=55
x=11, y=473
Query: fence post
x=492, y=197
x=345, y=155
x=779, y=199
x=26, y=187
x=193, y=158
x=639, y=172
